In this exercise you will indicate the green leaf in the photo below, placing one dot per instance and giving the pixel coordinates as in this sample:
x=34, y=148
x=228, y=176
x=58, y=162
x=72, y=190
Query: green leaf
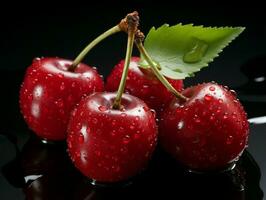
x=182, y=50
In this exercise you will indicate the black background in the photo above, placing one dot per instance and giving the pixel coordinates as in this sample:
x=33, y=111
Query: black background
x=63, y=30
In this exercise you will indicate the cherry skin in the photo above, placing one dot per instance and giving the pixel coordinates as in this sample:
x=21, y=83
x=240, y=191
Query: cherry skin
x=207, y=132
x=143, y=83
x=109, y=145
x=49, y=92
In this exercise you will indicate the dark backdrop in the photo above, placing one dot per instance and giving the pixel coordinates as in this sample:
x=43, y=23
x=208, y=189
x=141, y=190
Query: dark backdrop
x=44, y=29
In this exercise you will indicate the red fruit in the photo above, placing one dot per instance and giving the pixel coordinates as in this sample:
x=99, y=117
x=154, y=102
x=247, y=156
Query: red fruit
x=49, y=93
x=109, y=145
x=207, y=132
x=142, y=83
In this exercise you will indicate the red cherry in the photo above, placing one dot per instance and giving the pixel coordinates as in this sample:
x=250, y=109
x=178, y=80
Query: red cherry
x=143, y=83
x=207, y=132
x=109, y=145
x=49, y=93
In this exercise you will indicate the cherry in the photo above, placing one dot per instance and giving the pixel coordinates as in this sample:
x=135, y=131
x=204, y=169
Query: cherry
x=49, y=92
x=52, y=86
x=110, y=145
x=209, y=131
x=143, y=83
x=111, y=136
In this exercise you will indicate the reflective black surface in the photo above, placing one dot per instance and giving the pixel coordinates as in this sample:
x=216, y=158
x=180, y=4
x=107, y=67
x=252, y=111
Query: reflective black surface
x=30, y=169
x=44, y=171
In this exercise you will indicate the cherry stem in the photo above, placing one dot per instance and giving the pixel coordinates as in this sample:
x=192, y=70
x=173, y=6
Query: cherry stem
x=156, y=71
x=84, y=52
x=132, y=21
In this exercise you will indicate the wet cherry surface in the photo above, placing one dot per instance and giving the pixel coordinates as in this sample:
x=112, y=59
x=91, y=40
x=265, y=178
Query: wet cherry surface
x=111, y=145
x=49, y=93
x=143, y=83
x=44, y=171
x=30, y=169
x=209, y=131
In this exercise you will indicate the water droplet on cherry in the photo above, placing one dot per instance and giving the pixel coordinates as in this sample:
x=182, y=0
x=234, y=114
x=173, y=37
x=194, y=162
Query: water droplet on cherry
x=126, y=139
x=102, y=108
x=137, y=118
x=62, y=86
x=225, y=116
x=180, y=125
x=94, y=120
x=211, y=88
x=208, y=97
x=229, y=139
x=73, y=84
x=60, y=75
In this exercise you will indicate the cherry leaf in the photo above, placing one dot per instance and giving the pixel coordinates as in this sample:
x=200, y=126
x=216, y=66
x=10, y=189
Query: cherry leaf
x=182, y=50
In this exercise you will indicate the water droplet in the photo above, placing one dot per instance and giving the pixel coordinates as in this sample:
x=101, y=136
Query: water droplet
x=226, y=87
x=236, y=101
x=229, y=139
x=137, y=118
x=212, y=88
x=145, y=86
x=126, y=139
x=211, y=117
x=197, y=120
x=234, y=115
x=36, y=59
x=132, y=127
x=62, y=86
x=153, y=112
x=94, y=120
x=218, y=110
x=60, y=75
x=123, y=114
x=59, y=103
x=50, y=75
x=70, y=143
x=77, y=153
x=208, y=97
x=73, y=84
x=102, y=108
x=113, y=133
x=225, y=116
x=233, y=92
x=145, y=108
x=81, y=138
x=220, y=101
x=196, y=52
x=121, y=129
x=114, y=122
x=180, y=125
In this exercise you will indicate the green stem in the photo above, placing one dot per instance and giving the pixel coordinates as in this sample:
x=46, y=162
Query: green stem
x=101, y=37
x=130, y=43
x=156, y=71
